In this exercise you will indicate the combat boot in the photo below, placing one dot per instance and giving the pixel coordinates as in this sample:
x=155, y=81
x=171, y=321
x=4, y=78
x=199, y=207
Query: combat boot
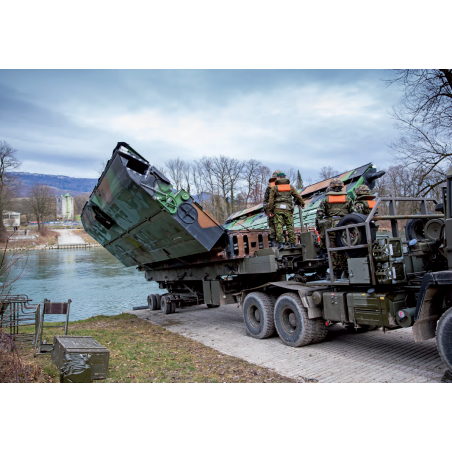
x=322, y=255
x=280, y=245
x=292, y=246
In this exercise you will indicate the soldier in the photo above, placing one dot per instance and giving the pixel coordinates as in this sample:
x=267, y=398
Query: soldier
x=335, y=204
x=280, y=207
x=270, y=220
x=364, y=200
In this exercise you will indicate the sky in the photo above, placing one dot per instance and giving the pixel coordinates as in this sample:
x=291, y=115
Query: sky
x=66, y=122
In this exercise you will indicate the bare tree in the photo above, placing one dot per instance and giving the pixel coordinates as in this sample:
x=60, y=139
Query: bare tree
x=327, y=172
x=79, y=202
x=251, y=175
x=101, y=166
x=177, y=170
x=234, y=171
x=424, y=120
x=427, y=97
x=9, y=184
x=42, y=202
x=291, y=174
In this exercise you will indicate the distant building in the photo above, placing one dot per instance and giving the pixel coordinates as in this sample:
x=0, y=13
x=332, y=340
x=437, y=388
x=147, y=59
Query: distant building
x=65, y=207
x=11, y=219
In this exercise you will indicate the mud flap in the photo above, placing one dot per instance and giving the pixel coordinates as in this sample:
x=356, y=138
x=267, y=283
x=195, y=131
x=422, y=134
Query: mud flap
x=425, y=327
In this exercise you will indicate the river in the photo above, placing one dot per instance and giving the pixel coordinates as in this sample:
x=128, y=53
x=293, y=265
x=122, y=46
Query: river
x=95, y=281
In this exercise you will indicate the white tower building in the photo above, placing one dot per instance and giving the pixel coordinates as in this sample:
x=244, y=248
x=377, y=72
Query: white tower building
x=65, y=207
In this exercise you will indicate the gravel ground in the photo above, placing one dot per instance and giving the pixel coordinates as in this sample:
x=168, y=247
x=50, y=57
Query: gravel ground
x=342, y=358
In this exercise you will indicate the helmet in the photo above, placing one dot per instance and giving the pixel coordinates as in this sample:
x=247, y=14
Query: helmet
x=362, y=190
x=336, y=183
x=276, y=172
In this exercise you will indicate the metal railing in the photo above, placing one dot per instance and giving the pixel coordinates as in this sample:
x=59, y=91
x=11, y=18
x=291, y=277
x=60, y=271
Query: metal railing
x=17, y=313
x=393, y=217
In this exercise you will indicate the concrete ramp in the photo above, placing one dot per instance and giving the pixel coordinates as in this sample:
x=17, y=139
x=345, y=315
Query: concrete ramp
x=67, y=237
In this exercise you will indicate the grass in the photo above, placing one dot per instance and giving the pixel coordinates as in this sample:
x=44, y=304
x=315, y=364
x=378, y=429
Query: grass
x=143, y=352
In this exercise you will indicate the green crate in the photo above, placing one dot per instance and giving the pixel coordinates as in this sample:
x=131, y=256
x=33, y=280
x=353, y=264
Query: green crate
x=82, y=345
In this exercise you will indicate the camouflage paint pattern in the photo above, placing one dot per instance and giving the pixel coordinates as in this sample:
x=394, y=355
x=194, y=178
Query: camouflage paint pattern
x=282, y=219
x=134, y=213
x=271, y=227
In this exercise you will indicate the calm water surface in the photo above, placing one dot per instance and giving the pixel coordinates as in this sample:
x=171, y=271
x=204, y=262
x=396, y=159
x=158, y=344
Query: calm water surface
x=95, y=281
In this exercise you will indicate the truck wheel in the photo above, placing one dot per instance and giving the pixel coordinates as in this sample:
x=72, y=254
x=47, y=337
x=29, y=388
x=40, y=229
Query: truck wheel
x=210, y=306
x=158, y=297
x=320, y=332
x=444, y=338
x=165, y=305
x=173, y=307
x=258, y=315
x=414, y=229
x=358, y=236
x=292, y=322
x=152, y=302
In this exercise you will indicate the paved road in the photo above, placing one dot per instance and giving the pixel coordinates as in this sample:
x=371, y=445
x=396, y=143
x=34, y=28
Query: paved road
x=342, y=358
x=67, y=237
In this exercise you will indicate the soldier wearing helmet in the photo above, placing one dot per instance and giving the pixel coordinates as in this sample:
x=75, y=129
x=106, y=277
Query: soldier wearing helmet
x=270, y=220
x=335, y=205
x=280, y=207
x=365, y=201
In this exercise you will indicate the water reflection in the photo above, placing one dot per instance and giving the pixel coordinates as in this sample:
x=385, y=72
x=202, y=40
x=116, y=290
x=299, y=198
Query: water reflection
x=96, y=282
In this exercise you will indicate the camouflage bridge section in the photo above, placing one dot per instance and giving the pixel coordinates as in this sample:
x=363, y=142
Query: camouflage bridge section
x=137, y=216
x=254, y=217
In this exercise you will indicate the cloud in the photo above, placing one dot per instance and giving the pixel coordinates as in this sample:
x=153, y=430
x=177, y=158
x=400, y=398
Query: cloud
x=68, y=121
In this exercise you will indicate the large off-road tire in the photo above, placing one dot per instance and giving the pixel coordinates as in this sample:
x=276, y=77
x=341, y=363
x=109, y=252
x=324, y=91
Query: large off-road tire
x=152, y=302
x=414, y=229
x=358, y=236
x=166, y=305
x=158, y=297
x=321, y=331
x=444, y=338
x=292, y=322
x=258, y=315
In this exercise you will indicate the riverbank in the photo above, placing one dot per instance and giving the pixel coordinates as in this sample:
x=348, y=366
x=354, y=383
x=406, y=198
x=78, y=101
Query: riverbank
x=34, y=241
x=143, y=352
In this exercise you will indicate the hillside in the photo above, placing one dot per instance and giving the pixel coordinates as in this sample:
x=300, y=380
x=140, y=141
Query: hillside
x=59, y=184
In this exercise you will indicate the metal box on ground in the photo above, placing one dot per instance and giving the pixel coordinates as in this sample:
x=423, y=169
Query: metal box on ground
x=82, y=345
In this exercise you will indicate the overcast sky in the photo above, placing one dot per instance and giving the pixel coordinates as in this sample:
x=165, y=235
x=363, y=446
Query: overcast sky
x=67, y=121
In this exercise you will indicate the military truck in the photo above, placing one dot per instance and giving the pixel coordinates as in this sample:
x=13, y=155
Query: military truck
x=393, y=282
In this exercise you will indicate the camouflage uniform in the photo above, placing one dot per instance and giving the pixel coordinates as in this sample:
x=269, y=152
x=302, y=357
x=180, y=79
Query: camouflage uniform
x=364, y=200
x=326, y=211
x=284, y=219
x=270, y=220
x=282, y=194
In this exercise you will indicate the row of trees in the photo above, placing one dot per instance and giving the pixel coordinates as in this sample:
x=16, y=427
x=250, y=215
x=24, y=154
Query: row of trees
x=223, y=184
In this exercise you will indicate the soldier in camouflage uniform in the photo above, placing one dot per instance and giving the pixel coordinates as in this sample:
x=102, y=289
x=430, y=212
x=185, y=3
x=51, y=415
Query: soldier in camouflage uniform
x=270, y=220
x=364, y=200
x=280, y=206
x=335, y=204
